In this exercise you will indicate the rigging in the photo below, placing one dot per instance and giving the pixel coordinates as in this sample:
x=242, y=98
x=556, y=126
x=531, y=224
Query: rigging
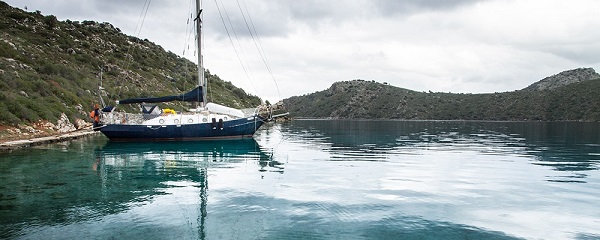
x=232, y=42
x=255, y=39
x=259, y=45
x=137, y=32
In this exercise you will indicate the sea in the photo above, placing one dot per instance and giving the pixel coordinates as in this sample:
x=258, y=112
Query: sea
x=314, y=179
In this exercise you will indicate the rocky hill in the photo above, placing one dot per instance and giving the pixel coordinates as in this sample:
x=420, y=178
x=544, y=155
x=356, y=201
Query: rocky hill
x=563, y=79
x=49, y=67
x=577, y=101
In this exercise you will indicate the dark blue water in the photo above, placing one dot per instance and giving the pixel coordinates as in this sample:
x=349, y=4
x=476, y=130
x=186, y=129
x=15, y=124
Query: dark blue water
x=315, y=180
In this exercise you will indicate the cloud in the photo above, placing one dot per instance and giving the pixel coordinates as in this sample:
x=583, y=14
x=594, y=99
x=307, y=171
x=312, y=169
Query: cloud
x=393, y=7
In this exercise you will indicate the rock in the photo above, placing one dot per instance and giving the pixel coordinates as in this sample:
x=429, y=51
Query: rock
x=32, y=130
x=81, y=124
x=10, y=44
x=47, y=125
x=25, y=66
x=79, y=109
x=63, y=124
x=14, y=131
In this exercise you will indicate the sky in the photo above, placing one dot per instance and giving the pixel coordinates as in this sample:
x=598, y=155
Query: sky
x=458, y=46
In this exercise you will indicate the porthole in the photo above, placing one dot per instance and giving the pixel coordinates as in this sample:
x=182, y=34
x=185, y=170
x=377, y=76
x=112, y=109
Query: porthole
x=161, y=121
x=190, y=120
x=204, y=120
x=225, y=118
x=176, y=121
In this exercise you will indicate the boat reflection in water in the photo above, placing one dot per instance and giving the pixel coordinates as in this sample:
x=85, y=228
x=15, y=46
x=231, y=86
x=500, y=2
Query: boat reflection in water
x=131, y=190
x=142, y=171
x=162, y=155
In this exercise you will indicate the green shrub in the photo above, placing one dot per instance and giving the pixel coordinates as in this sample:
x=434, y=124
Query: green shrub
x=8, y=51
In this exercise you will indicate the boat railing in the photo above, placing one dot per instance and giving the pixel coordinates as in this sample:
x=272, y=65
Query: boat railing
x=126, y=118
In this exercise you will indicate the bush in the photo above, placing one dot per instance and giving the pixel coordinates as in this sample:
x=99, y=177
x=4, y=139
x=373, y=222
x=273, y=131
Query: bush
x=50, y=21
x=17, y=15
x=8, y=51
x=7, y=116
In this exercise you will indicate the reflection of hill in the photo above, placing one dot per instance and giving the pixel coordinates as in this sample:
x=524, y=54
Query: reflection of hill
x=565, y=146
x=80, y=184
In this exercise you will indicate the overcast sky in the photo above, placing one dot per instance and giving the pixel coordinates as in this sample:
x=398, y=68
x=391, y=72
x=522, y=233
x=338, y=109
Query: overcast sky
x=468, y=46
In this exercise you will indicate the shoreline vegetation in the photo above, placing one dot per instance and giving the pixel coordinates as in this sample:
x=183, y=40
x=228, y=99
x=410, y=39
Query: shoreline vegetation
x=568, y=96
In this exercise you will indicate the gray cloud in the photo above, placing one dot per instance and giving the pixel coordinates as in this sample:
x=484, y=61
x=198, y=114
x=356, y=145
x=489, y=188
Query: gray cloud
x=394, y=7
x=281, y=17
x=586, y=54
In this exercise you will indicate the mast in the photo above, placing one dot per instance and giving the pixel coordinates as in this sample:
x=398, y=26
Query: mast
x=201, y=78
x=100, y=88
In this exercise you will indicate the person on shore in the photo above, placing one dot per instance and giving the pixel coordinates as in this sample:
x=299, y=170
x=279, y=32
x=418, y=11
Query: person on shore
x=95, y=115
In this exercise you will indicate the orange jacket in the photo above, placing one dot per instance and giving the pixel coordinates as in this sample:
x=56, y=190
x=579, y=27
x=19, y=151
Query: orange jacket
x=95, y=115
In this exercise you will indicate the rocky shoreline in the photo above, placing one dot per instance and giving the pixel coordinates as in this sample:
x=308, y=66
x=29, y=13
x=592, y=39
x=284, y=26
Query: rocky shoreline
x=42, y=132
x=18, y=144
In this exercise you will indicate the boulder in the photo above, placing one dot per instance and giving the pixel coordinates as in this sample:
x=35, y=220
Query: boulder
x=63, y=124
x=81, y=124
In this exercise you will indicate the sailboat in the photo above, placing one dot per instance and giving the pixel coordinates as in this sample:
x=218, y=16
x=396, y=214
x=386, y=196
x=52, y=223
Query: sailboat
x=207, y=121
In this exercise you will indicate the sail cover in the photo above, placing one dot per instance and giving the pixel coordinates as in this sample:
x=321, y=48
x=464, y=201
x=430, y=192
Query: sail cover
x=192, y=96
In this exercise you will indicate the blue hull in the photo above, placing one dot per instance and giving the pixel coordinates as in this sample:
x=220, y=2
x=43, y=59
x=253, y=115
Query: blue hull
x=239, y=128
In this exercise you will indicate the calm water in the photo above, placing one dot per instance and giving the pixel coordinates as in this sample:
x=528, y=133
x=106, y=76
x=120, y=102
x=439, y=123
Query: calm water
x=315, y=180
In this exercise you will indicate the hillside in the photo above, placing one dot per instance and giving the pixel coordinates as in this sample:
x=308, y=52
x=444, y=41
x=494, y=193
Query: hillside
x=563, y=79
x=577, y=101
x=49, y=67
